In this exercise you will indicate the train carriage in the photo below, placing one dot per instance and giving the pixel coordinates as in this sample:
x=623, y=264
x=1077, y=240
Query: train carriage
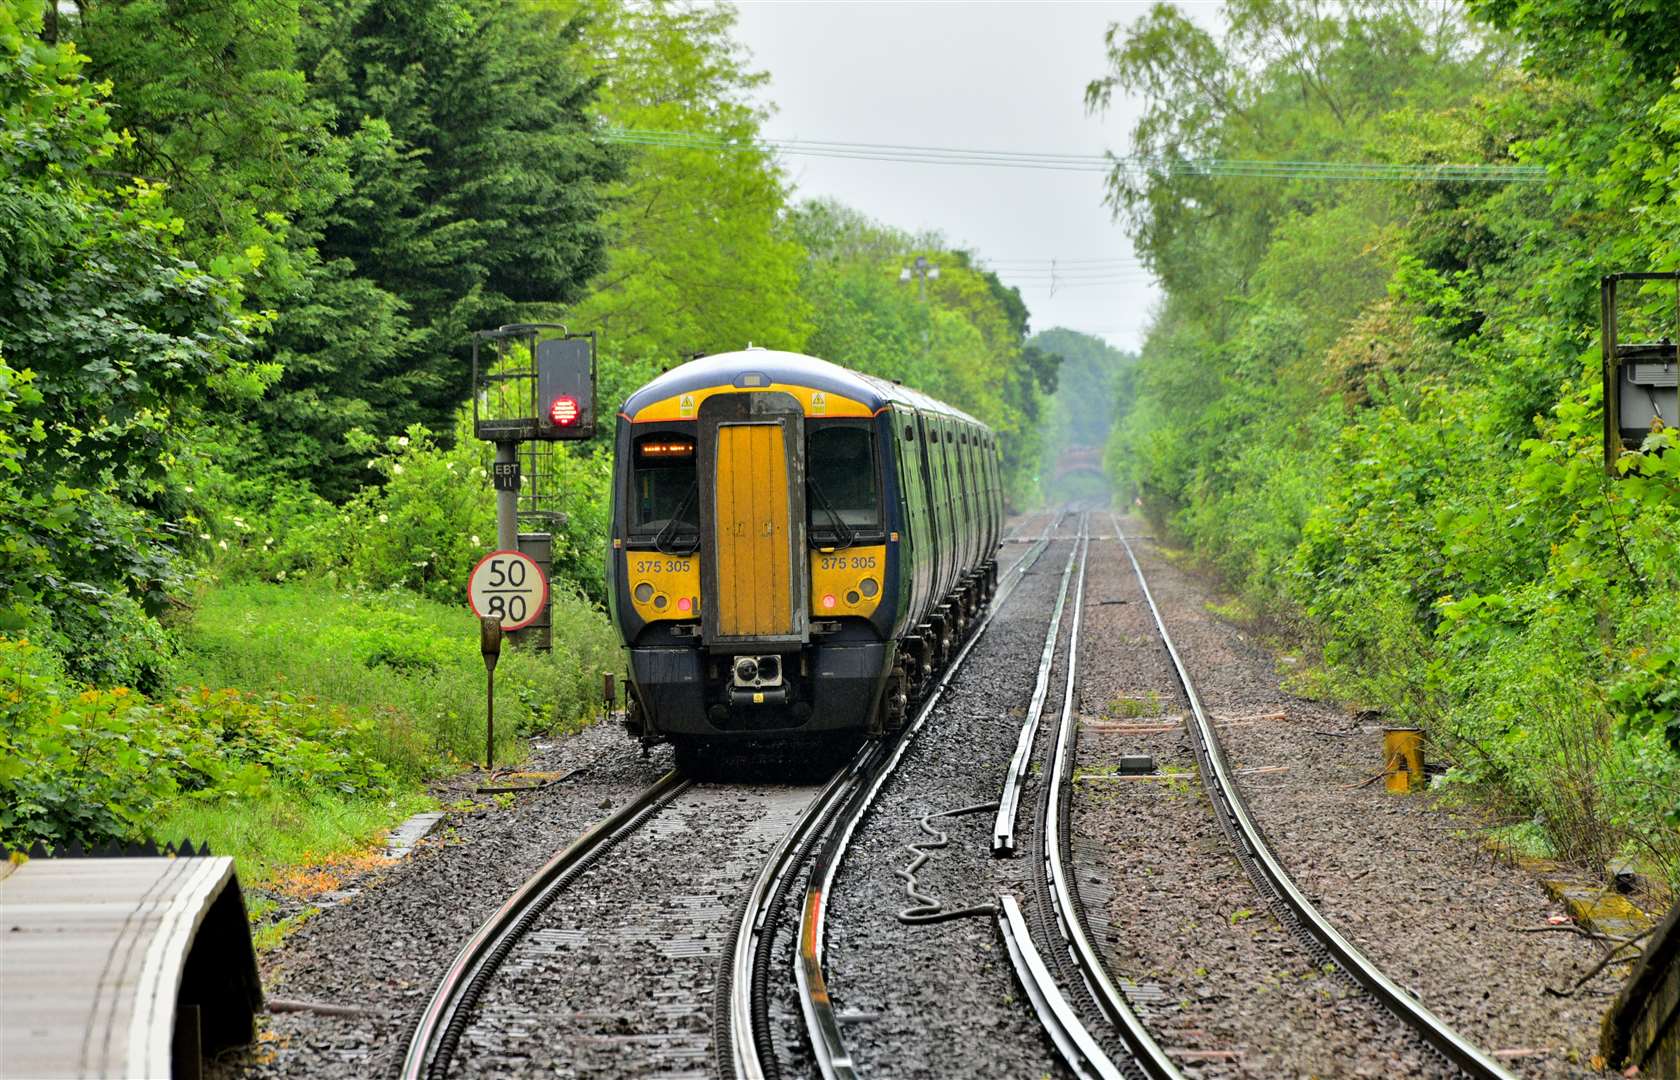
x=796, y=547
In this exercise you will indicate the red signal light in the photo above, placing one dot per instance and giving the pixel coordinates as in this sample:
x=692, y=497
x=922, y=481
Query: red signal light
x=564, y=411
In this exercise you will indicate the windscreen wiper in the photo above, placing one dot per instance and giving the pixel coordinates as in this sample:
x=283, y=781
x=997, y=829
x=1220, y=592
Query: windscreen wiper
x=843, y=533
x=663, y=541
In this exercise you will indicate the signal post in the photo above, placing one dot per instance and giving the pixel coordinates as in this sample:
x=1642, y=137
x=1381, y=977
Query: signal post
x=533, y=386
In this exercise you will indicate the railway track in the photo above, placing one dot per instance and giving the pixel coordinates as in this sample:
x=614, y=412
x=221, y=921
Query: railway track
x=740, y=1030
x=821, y=1024
x=437, y=1036
x=1287, y=901
x=1080, y=1005
x=1058, y=908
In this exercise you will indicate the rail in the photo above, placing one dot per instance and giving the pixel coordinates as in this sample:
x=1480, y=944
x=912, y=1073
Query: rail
x=432, y=1047
x=1276, y=883
x=827, y=1044
x=1059, y=899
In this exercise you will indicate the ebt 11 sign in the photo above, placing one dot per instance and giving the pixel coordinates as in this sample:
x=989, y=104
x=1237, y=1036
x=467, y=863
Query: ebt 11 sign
x=510, y=586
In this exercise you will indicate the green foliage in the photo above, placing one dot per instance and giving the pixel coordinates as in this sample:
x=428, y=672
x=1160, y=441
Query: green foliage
x=1376, y=408
x=85, y=765
x=475, y=194
x=127, y=344
x=670, y=289
x=961, y=338
x=407, y=666
x=1094, y=386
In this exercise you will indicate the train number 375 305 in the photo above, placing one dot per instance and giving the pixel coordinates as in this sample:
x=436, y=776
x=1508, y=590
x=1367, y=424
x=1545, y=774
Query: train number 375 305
x=844, y=562
x=661, y=566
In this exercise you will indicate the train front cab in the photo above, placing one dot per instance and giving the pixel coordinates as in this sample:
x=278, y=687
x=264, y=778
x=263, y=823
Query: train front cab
x=755, y=567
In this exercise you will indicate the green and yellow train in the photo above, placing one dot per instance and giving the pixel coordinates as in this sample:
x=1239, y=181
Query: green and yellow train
x=796, y=547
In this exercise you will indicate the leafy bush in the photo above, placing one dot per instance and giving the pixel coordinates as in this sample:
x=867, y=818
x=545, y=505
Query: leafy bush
x=79, y=764
x=127, y=343
x=1377, y=408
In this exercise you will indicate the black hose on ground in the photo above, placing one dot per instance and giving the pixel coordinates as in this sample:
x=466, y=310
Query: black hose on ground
x=928, y=909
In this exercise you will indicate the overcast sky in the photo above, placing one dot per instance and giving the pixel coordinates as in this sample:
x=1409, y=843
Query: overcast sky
x=992, y=76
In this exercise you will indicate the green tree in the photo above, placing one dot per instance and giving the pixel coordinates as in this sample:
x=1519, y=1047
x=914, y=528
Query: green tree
x=126, y=343
x=475, y=195
x=699, y=261
x=964, y=343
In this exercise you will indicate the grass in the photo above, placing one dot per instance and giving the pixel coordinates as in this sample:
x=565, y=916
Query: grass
x=409, y=670
x=272, y=836
x=1135, y=708
x=1524, y=838
x=408, y=665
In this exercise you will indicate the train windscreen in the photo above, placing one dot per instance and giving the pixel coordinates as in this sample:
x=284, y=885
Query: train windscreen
x=666, y=485
x=844, y=480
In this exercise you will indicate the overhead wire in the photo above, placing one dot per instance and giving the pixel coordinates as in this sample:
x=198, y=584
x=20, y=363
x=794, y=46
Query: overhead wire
x=1103, y=163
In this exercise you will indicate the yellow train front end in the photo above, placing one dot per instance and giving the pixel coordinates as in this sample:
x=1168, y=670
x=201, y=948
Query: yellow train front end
x=754, y=566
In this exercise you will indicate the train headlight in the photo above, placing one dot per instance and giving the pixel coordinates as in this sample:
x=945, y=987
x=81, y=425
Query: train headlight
x=644, y=593
x=868, y=586
x=746, y=669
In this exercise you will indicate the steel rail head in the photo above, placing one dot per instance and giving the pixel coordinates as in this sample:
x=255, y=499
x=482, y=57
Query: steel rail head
x=1015, y=776
x=1145, y=1051
x=743, y=1044
x=827, y=1044
x=428, y=1053
x=1222, y=786
x=1081, y=1052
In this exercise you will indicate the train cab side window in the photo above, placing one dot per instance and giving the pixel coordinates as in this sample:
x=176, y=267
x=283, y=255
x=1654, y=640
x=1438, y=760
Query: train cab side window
x=665, y=486
x=841, y=473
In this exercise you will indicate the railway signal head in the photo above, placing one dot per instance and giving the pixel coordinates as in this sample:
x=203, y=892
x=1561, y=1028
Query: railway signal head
x=564, y=411
x=533, y=381
x=565, y=388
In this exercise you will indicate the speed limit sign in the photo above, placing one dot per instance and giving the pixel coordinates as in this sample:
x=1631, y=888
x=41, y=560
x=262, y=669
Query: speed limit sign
x=510, y=586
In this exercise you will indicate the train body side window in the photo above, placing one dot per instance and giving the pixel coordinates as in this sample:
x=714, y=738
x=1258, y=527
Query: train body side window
x=664, y=484
x=844, y=478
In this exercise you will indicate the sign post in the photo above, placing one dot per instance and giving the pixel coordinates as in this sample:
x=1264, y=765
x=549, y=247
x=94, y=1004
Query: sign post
x=507, y=590
x=490, y=645
x=510, y=587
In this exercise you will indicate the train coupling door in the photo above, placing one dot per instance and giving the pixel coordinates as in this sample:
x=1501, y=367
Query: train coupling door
x=754, y=579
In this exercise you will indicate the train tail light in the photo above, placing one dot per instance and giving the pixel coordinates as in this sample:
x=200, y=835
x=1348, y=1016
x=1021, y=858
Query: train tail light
x=563, y=411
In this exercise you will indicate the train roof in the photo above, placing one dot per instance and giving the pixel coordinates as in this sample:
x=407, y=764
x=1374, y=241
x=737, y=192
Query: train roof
x=790, y=369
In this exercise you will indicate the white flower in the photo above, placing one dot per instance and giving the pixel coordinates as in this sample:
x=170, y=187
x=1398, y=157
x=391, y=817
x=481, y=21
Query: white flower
x=450, y=465
x=188, y=489
x=269, y=541
x=383, y=518
x=475, y=541
x=402, y=440
x=396, y=470
x=204, y=536
x=281, y=576
x=222, y=544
